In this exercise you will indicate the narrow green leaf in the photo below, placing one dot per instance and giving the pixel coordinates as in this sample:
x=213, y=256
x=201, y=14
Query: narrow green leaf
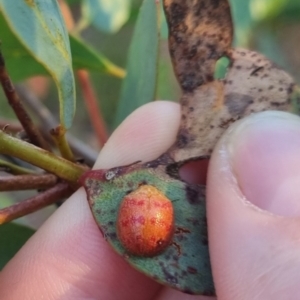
x=39, y=26
x=84, y=57
x=140, y=83
x=19, y=61
x=12, y=238
x=164, y=31
x=106, y=15
x=242, y=21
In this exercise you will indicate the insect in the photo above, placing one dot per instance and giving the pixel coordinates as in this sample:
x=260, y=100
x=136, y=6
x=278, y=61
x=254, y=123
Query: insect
x=145, y=223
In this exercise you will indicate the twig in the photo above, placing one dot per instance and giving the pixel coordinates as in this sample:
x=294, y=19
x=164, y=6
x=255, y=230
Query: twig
x=41, y=158
x=81, y=150
x=59, y=136
x=14, y=101
x=58, y=192
x=47, y=121
x=14, y=169
x=18, y=162
x=92, y=106
x=27, y=182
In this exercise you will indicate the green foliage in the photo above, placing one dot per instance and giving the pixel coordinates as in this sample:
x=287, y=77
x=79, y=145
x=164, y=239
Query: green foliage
x=140, y=83
x=17, y=55
x=275, y=32
x=106, y=15
x=40, y=28
x=12, y=238
x=43, y=40
x=242, y=20
x=84, y=57
x=221, y=68
x=269, y=10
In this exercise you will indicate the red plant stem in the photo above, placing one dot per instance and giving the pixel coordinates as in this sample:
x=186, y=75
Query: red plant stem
x=92, y=106
x=53, y=195
x=14, y=101
x=27, y=182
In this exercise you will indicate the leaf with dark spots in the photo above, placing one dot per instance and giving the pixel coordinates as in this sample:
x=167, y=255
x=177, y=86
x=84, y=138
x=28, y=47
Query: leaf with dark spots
x=195, y=130
x=252, y=84
x=252, y=75
x=185, y=248
x=200, y=34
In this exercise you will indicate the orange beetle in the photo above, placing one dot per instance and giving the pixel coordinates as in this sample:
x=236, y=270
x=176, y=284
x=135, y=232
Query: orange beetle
x=145, y=223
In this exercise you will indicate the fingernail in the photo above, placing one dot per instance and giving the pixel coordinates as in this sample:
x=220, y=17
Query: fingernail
x=264, y=154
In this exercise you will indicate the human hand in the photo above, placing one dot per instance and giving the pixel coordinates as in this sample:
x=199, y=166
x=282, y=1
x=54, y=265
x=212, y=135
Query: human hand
x=255, y=253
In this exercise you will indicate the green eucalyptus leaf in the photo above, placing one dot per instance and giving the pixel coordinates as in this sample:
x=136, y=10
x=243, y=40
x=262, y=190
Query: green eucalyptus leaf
x=19, y=61
x=40, y=28
x=140, y=83
x=12, y=238
x=84, y=57
x=184, y=263
x=242, y=21
x=106, y=15
x=164, y=31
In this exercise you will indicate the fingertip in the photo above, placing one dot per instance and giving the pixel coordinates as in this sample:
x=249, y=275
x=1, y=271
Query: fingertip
x=254, y=249
x=144, y=135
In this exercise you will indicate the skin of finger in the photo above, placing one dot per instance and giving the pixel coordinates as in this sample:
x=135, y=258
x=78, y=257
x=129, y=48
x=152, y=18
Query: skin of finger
x=254, y=254
x=68, y=258
x=171, y=294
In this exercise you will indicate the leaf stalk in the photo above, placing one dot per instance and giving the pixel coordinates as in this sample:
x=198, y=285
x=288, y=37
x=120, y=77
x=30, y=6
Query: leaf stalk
x=41, y=158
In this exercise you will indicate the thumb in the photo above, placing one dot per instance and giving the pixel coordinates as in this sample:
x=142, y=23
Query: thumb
x=253, y=202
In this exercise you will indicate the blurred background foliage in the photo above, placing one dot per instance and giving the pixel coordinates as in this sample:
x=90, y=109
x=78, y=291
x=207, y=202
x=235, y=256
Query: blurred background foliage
x=268, y=26
x=106, y=29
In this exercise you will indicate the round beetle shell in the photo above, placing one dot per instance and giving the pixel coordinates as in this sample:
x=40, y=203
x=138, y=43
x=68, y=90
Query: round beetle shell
x=145, y=223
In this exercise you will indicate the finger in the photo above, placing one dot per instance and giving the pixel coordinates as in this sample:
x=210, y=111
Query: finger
x=253, y=202
x=171, y=294
x=148, y=133
x=68, y=257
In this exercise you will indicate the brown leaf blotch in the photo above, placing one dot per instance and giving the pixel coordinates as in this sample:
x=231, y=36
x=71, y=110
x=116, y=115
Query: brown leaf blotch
x=200, y=32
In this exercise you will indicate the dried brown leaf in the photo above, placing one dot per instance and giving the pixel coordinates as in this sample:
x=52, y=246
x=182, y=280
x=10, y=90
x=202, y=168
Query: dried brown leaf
x=200, y=32
x=252, y=84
